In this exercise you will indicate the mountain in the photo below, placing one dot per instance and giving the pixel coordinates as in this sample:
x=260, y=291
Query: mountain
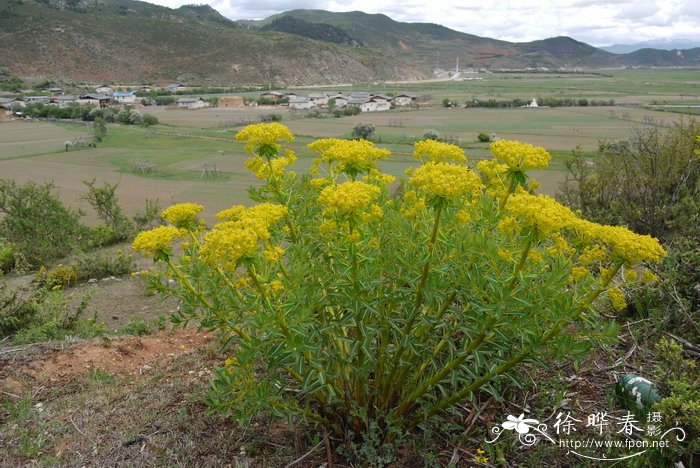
x=661, y=44
x=131, y=41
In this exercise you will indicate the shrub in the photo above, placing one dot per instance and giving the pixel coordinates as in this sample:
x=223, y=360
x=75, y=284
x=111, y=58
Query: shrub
x=59, y=277
x=18, y=307
x=36, y=222
x=363, y=130
x=7, y=256
x=89, y=266
x=149, y=120
x=117, y=227
x=431, y=135
x=483, y=137
x=271, y=117
x=371, y=315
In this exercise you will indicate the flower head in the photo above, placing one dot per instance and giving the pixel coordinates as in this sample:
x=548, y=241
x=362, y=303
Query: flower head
x=275, y=168
x=264, y=138
x=444, y=181
x=437, y=151
x=351, y=156
x=157, y=241
x=227, y=243
x=182, y=215
x=349, y=198
x=520, y=156
x=540, y=213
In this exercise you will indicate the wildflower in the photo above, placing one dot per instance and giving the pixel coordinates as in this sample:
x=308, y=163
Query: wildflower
x=463, y=216
x=227, y=243
x=276, y=286
x=413, y=205
x=275, y=168
x=264, y=138
x=540, y=213
x=437, y=151
x=578, y=273
x=373, y=243
x=327, y=226
x=182, y=215
x=272, y=253
x=631, y=275
x=505, y=255
x=231, y=214
x=593, y=253
x=156, y=240
x=378, y=178
x=348, y=198
x=351, y=157
x=649, y=277
x=617, y=298
x=520, y=156
x=630, y=247
x=258, y=217
x=444, y=181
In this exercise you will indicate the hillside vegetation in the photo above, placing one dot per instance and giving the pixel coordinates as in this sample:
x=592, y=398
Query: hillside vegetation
x=125, y=40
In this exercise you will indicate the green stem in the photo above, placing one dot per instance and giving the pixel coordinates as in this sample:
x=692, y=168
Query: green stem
x=390, y=381
x=513, y=361
x=511, y=189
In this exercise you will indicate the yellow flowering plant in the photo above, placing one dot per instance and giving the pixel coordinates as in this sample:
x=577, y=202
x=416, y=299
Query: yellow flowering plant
x=358, y=306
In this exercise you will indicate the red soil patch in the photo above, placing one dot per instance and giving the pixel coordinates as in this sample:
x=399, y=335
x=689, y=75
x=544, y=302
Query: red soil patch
x=404, y=46
x=121, y=356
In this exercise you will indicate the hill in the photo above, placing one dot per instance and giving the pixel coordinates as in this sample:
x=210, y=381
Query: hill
x=128, y=41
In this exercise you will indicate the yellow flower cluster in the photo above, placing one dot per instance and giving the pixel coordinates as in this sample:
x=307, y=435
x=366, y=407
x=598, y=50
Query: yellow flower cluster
x=273, y=253
x=437, y=151
x=349, y=198
x=258, y=218
x=262, y=170
x=540, y=213
x=352, y=156
x=520, y=156
x=593, y=253
x=625, y=245
x=156, y=240
x=182, y=215
x=446, y=181
x=578, y=273
x=617, y=298
x=263, y=137
x=413, y=205
x=227, y=243
x=379, y=178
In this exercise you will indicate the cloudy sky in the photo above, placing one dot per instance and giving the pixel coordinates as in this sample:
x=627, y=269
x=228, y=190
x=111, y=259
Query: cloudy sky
x=596, y=22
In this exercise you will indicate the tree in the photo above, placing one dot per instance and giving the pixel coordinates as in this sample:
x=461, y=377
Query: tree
x=100, y=128
x=363, y=130
x=331, y=105
x=431, y=135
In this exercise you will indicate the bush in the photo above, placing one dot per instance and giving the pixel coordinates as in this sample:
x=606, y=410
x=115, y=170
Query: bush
x=271, y=117
x=59, y=277
x=149, y=120
x=117, y=227
x=363, y=130
x=17, y=309
x=370, y=315
x=649, y=183
x=7, y=256
x=483, y=137
x=36, y=222
x=431, y=135
x=97, y=266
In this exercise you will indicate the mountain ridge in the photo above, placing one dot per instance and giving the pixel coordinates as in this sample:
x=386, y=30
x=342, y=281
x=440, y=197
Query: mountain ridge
x=128, y=40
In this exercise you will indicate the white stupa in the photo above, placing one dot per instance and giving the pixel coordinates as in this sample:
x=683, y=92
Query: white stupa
x=533, y=103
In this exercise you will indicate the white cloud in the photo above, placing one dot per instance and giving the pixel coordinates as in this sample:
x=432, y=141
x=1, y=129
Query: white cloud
x=597, y=22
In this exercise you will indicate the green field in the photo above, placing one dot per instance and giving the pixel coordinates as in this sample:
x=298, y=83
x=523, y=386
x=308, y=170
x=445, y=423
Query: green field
x=186, y=140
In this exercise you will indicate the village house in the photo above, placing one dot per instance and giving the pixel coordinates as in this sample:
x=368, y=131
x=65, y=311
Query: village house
x=124, y=97
x=99, y=100
x=375, y=104
x=63, y=100
x=175, y=87
x=43, y=99
x=300, y=102
x=272, y=95
x=104, y=90
x=404, y=99
x=340, y=101
x=191, y=103
x=231, y=101
x=9, y=103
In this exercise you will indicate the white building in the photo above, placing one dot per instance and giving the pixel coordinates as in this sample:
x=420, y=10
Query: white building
x=375, y=105
x=403, y=100
x=124, y=98
x=299, y=102
x=191, y=103
x=104, y=90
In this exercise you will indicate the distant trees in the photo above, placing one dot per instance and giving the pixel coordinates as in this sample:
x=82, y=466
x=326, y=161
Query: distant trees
x=541, y=101
x=363, y=130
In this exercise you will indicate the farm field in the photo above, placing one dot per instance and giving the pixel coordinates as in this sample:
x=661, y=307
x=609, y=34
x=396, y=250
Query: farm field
x=129, y=387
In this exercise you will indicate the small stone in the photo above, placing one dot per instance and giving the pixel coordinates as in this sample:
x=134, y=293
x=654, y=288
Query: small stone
x=92, y=281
